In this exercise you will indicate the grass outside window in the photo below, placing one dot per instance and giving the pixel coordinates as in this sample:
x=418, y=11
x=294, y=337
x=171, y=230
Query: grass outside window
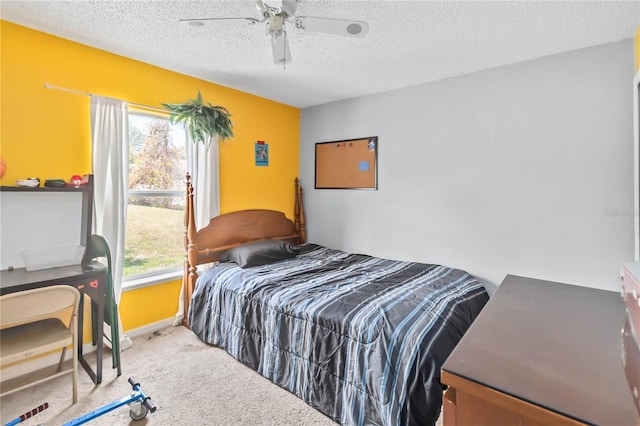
x=154, y=240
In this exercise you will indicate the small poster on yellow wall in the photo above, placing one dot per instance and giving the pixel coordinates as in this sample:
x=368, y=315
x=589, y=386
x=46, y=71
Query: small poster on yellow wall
x=262, y=153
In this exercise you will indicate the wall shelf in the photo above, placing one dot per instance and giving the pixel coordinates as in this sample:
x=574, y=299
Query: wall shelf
x=83, y=188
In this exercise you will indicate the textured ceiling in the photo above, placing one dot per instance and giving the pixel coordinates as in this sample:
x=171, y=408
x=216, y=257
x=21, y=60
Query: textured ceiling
x=409, y=42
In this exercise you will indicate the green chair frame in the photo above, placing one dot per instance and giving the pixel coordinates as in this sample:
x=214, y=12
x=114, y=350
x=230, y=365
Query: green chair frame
x=96, y=249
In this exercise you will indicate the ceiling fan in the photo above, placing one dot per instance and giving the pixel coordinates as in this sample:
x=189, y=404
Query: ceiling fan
x=276, y=13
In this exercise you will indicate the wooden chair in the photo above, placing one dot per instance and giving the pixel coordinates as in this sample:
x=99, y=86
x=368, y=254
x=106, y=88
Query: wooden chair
x=97, y=249
x=36, y=322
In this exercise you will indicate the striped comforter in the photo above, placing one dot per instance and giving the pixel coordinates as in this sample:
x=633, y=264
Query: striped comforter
x=360, y=338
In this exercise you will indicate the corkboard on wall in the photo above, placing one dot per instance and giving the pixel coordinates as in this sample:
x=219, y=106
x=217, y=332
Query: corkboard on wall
x=347, y=164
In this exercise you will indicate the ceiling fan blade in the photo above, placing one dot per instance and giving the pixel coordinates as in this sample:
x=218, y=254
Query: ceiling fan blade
x=273, y=4
x=280, y=48
x=345, y=27
x=220, y=21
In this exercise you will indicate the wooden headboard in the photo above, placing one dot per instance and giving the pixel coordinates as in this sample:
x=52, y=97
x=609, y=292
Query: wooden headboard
x=234, y=229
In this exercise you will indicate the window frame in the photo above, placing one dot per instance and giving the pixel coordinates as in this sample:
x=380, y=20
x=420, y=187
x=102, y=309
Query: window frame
x=146, y=279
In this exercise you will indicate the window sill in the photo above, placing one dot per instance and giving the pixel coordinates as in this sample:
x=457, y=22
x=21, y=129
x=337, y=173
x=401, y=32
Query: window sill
x=135, y=283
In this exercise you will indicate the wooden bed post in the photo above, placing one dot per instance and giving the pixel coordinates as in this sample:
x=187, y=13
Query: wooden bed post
x=298, y=214
x=190, y=264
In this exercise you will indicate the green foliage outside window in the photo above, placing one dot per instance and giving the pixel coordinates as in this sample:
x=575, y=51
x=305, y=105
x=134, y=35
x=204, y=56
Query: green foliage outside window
x=154, y=238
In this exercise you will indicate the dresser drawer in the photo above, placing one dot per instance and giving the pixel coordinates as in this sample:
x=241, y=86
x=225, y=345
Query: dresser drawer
x=467, y=403
x=631, y=362
x=631, y=294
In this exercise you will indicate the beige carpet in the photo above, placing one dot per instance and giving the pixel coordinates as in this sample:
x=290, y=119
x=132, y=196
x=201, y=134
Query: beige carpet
x=190, y=383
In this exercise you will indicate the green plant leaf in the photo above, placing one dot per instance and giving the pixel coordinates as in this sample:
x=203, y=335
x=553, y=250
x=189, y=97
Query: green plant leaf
x=204, y=122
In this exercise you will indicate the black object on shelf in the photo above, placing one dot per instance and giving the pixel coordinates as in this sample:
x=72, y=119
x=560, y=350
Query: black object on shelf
x=55, y=182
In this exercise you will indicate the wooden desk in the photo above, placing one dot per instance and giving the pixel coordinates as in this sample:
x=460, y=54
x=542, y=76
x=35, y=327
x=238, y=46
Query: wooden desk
x=89, y=279
x=541, y=352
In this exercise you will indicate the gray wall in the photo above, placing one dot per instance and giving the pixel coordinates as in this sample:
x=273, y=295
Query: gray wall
x=525, y=169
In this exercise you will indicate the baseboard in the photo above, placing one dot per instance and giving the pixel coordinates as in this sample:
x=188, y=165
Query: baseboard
x=150, y=328
x=12, y=372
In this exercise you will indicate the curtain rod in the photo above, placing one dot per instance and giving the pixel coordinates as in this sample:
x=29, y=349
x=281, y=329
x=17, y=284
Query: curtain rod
x=78, y=92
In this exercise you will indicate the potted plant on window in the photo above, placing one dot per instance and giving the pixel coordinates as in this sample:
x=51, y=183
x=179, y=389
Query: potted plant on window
x=204, y=122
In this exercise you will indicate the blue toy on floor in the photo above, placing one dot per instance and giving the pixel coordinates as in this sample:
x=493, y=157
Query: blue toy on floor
x=139, y=406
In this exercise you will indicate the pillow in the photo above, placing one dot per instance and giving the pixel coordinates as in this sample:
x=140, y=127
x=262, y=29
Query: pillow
x=260, y=253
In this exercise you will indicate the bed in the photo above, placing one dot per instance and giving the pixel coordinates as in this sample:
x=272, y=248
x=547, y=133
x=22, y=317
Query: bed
x=360, y=338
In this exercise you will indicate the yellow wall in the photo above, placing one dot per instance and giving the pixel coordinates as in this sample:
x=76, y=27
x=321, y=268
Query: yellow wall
x=140, y=307
x=46, y=133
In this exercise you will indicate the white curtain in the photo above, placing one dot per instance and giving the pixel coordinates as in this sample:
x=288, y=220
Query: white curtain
x=202, y=165
x=110, y=147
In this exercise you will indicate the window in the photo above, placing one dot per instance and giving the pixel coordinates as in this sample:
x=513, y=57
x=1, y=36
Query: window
x=154, y=237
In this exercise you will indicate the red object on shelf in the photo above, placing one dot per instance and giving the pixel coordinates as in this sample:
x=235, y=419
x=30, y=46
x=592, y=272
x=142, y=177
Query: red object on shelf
x=76, y=180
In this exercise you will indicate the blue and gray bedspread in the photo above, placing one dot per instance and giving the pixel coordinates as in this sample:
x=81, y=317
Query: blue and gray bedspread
x=360, y=338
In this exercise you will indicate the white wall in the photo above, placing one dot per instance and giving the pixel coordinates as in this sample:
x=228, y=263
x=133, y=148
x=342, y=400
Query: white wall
x=32, y=219
x=525, y=169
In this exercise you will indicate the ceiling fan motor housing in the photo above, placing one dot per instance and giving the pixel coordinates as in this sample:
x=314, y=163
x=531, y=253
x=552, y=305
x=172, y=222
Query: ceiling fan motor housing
x=275, y=25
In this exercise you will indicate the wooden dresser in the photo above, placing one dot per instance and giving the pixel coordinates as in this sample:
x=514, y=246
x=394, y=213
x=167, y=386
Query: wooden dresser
x=541, y=352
